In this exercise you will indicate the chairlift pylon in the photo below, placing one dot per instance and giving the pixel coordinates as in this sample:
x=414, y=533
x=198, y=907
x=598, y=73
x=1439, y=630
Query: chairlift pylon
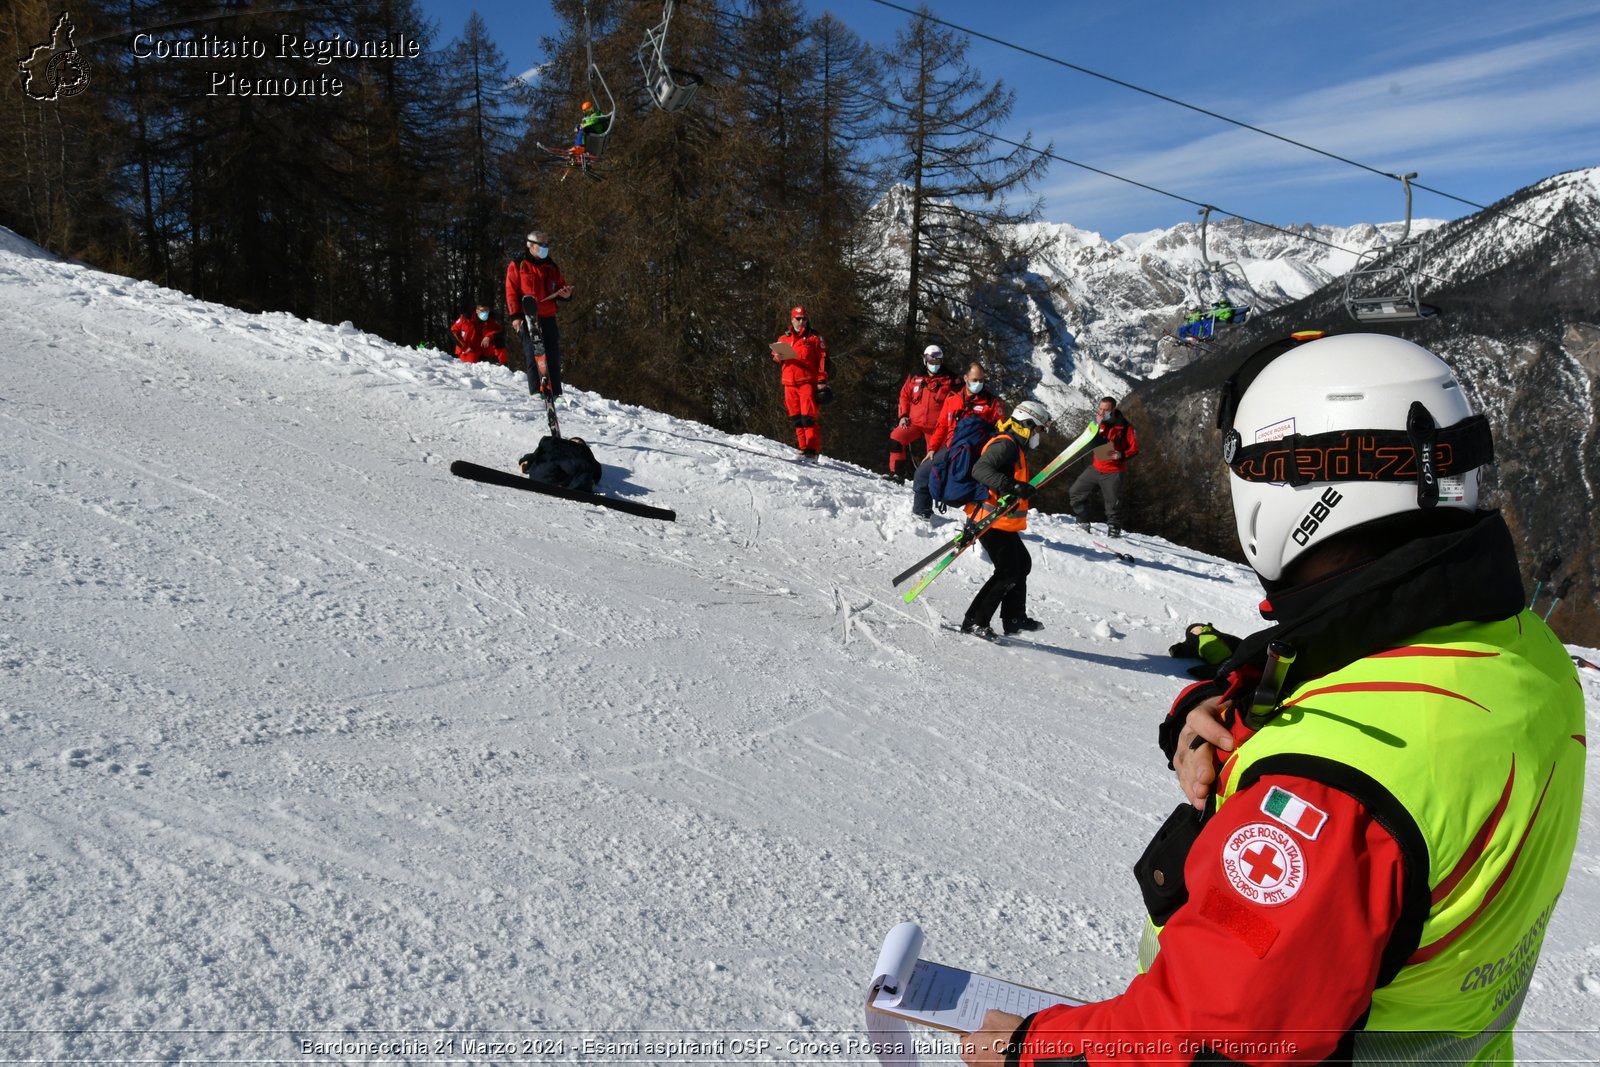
x=1383, y=285
x=670, y=89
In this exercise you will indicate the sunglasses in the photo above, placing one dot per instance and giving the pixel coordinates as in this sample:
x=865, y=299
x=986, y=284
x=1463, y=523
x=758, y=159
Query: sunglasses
x=1423, y=452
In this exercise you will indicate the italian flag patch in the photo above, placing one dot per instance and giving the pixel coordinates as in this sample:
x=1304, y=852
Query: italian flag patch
x=1296, y=814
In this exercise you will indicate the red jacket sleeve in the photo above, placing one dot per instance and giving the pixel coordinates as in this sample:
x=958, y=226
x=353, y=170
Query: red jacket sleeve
x=1130, y=447
x=513, y=290
x=1274, y=956
x=905, y=397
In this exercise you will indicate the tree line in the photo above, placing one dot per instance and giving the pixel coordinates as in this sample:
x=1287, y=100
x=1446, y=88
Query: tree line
x=810, y=168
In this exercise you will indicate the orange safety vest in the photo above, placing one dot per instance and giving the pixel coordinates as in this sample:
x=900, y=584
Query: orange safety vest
x=1017, y=519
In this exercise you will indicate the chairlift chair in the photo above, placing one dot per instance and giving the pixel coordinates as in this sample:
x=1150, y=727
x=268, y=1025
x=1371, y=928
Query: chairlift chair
x=670, y=89
x=1383, y=285
x=1218, y=281
x=594, y=140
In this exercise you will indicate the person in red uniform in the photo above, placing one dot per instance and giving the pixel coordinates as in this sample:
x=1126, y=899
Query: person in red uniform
x=1299, y=899
x=922, y=400
x=1108, y=474
x=973, y=398
x=805, y=381
x=478, y=336
x=533, y=285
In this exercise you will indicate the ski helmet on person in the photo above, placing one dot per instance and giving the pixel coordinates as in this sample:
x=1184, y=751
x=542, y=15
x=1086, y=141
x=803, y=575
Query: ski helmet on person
x=797, y=312
x=1025, y=420
x=933, y=356
x=1323, y=435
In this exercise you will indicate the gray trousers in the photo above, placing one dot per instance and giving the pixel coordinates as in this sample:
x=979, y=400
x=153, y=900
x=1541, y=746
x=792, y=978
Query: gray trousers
x=1112, y=486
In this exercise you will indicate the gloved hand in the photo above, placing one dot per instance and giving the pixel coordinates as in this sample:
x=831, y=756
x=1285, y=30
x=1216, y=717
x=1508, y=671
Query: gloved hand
x=825, y=395
x=1021, y=490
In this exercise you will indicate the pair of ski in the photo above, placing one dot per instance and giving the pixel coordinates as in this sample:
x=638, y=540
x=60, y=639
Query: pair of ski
x=476, y=472
x=968, y=535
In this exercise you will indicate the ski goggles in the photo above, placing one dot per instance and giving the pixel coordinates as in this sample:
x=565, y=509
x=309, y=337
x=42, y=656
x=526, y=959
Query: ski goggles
x=1423, y=452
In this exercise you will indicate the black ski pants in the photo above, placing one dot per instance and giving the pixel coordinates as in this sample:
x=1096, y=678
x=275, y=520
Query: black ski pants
x=1007, y=587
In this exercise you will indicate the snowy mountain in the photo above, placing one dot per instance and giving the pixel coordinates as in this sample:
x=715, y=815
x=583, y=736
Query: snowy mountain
x=1520, y=322
x=307, y=742
x=1113, y=301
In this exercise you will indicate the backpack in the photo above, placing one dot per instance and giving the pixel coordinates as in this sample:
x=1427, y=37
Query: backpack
x=951, y=481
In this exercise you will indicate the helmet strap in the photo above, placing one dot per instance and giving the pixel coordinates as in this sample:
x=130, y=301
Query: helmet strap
x=1367, y=455
x=1424, y=434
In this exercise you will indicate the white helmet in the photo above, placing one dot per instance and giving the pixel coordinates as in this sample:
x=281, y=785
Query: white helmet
x=1031, y=413
x=933, y=354
x=1325, y=436
x=1025, y=420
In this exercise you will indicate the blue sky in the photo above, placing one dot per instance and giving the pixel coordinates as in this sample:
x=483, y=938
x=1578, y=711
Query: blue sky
x=1478, y=98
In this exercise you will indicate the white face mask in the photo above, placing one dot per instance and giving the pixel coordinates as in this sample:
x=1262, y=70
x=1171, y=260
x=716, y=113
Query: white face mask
x=483, y=316
x=933, y=368
x=975, y=387
x=1033, y=440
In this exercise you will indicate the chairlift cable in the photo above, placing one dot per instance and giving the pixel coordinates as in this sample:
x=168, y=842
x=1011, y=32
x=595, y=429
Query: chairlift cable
x=1224, y=118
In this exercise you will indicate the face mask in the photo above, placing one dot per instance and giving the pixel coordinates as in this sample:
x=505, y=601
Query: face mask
x=933, y=368
x=483, y=316
x=1033, y=441
x=975, y=387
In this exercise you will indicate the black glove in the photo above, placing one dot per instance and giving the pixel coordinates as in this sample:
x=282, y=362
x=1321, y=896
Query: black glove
x=824, y=394
x=523, y=463
x=1020, y=490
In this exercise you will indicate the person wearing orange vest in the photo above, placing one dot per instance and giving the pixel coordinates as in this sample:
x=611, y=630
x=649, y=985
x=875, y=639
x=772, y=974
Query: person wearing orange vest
x=1002, y=467
x=805, y=381
x=922, y=400
x=1384, y=787
x=478, y=336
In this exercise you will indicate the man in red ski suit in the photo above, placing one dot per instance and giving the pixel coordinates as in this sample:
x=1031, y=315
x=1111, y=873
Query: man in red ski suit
x=1108, y=474
x=922, y=400
x=534, y=279
x=478, y=336
x=805, y=381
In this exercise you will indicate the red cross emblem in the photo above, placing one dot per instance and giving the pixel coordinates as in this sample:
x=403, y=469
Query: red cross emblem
x=1264, y=864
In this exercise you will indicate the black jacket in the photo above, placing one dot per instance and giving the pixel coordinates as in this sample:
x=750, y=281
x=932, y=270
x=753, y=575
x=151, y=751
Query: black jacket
x=564, y=462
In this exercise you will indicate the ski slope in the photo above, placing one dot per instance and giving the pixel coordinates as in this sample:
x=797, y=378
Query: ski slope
x=306, y=741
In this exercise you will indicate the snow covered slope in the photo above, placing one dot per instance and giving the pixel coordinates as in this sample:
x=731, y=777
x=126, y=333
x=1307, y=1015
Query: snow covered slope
x=306, y=740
